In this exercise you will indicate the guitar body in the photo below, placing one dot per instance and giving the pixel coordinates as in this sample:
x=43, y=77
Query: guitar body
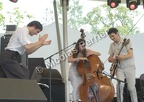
x=114, y=68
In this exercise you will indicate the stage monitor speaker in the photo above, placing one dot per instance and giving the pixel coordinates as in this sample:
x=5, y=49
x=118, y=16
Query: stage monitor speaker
x=20, y=90
x=42, y=75
x=33, y=63
x=4, y=41
x=138, y=86
x=126, y=94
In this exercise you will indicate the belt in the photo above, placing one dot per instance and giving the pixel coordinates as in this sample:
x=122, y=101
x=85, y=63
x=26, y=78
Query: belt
x=14, y=53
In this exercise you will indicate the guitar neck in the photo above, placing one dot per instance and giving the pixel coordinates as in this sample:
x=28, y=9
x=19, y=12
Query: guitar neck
x=116, y=61
x=124, y=44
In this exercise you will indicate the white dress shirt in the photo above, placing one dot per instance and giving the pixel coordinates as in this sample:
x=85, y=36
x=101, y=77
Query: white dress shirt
x=18, y=40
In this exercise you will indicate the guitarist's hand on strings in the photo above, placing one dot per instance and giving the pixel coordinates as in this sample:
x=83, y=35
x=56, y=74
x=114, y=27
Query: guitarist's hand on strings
x=114, y=60
x=116, y=57
x=111, y=59
x=120, y=57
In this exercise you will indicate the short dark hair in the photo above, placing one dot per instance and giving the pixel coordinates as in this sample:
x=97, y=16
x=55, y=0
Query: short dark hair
x=37, y=25
x=112, y=30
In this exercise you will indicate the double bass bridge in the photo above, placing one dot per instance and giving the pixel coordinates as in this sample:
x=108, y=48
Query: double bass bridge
x=89, y=76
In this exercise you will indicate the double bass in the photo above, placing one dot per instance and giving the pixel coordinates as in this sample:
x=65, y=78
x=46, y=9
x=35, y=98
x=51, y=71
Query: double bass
x=95, y=87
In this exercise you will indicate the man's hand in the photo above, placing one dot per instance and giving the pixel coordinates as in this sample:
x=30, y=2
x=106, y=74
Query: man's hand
x=120, y=57
x=48, y=42
x=111, y=59
x=43, y=38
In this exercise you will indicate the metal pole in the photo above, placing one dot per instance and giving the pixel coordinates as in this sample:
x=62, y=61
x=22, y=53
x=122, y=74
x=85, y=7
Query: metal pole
x=65, y=42
x=58, y=33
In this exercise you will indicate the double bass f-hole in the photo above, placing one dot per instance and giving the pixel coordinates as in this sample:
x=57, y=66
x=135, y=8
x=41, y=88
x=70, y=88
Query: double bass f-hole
x=98, y=71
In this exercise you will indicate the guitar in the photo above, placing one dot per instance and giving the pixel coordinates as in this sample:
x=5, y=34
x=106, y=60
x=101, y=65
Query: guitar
x=114, y=65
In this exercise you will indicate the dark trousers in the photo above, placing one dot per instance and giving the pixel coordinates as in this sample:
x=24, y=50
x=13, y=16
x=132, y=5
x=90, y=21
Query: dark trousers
x=9, y=66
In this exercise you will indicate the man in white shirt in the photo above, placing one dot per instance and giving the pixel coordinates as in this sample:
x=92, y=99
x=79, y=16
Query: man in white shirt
x=126, y=66
x=19, y=43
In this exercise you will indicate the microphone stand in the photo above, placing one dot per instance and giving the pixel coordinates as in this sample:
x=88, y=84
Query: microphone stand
x=50, y=58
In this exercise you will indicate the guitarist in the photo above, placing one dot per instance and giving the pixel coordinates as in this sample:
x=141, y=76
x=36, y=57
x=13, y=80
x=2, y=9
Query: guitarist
x=126, y=66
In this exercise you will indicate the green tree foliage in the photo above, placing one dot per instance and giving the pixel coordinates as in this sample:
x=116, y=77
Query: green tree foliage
x=100, y=18
x=48, y=18
x=74, y=14
x=15, y=16
x=1, y=16
x=103, y=17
